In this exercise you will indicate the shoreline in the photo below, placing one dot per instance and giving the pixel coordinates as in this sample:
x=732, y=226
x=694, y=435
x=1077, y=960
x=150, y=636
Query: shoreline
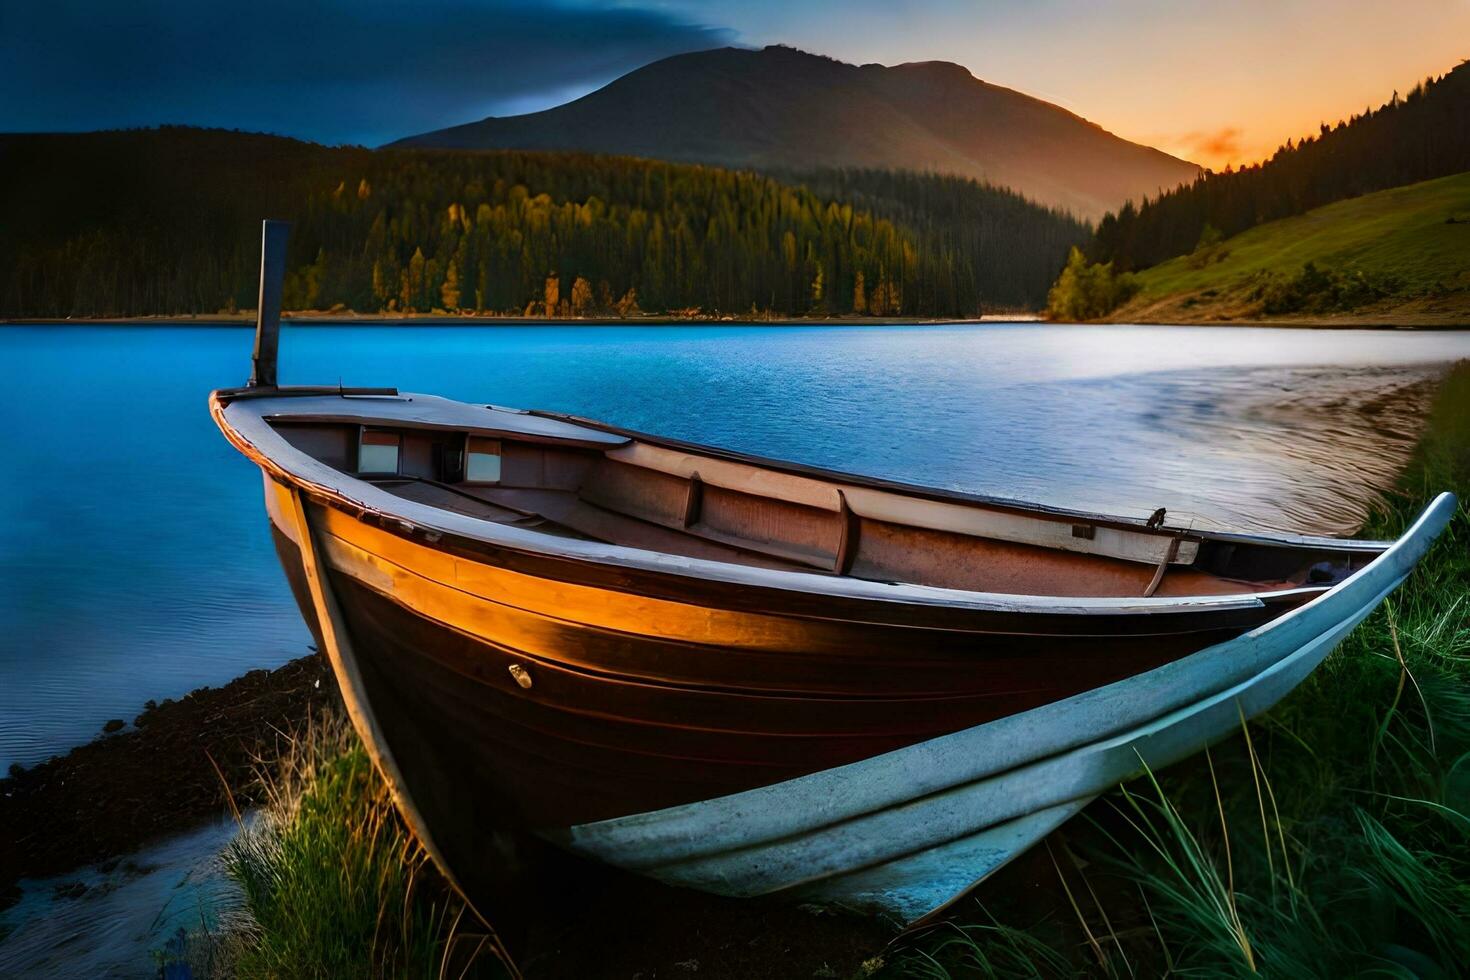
x=1407, y=322
x=161, y=775
x=105, y=800
x=247, y=318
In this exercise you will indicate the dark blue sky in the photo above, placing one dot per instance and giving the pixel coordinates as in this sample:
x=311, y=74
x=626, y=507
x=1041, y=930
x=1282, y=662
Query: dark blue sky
x=1213, y=82
x=360, y=71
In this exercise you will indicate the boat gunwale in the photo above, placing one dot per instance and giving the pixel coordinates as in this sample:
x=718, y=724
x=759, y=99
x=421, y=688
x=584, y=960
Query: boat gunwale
x=263, y=445
x=1007, y=505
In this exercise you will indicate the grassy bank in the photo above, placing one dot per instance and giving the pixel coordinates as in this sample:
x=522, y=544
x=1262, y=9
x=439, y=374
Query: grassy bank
x=1330, y=838
x=1393, y=255
x=334, y=885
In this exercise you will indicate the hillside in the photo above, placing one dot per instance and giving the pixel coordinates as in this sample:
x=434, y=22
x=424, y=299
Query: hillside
x=1420, y=136
x=167, y=222
x=781, y=109
x=1395, y=256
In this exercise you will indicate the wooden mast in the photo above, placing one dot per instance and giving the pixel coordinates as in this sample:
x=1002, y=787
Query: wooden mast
x=273, y=235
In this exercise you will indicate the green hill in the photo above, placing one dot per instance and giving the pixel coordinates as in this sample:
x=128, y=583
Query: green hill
x=1423, y=136
x=1396, y=255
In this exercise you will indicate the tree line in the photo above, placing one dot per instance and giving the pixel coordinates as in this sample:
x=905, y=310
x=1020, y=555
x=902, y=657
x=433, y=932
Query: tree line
x=996, y=244
x=167, y=221
x=1423, y=135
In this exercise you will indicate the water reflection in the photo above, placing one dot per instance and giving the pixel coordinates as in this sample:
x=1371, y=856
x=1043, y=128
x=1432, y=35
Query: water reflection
x=114, y=919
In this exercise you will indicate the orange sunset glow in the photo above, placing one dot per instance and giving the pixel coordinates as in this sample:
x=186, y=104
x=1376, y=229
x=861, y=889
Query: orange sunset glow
x=1216, y=84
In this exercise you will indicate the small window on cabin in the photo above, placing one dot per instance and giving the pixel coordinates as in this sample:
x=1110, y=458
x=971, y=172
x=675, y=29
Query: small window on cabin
x=482, y=461
x=378, y=452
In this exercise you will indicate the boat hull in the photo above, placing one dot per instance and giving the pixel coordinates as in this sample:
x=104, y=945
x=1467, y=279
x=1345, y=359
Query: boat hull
x=981, y=745
x=908, y=832
x=699, y=702
x=681, y=739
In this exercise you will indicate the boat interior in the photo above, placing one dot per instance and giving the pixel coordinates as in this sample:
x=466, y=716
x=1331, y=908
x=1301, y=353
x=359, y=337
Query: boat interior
x=668, y=497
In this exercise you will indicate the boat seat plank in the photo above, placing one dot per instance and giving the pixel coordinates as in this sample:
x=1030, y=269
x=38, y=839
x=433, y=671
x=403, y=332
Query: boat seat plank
x=460, y=502
x=569, y=510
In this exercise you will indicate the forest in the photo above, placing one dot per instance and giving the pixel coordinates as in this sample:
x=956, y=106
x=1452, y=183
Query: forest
x=166, y=221
x=1422, y=135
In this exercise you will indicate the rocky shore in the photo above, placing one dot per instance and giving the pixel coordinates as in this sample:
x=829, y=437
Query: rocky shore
x=180, y=762
x=187, y=761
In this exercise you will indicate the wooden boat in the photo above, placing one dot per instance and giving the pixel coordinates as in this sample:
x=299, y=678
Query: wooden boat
x=749, y=676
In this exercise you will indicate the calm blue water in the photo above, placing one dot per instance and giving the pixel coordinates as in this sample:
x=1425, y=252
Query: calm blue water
x=136, y=562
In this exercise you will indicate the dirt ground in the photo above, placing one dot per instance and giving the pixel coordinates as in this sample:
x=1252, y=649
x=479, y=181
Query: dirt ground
x=163, y=775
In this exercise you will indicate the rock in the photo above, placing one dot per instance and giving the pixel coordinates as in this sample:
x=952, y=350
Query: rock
x=71, y=889
x=17, y=770
x=115, y=725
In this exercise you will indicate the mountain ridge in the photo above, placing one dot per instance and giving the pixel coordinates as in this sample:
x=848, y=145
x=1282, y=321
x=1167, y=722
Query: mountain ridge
x=778, y=108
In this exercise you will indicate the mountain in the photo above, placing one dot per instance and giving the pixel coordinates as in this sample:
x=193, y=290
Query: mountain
x=782, y=109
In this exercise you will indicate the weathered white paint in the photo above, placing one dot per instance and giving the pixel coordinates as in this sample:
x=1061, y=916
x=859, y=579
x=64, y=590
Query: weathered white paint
x=431, y=411
x=730, y=475
x=883, y=814
x=999, y=525
x=925, y=882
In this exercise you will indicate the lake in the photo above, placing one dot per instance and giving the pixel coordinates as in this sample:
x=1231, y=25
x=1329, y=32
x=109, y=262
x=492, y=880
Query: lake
x=138, y=565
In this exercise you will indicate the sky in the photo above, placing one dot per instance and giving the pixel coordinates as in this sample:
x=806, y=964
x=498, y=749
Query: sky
x=1214, y=81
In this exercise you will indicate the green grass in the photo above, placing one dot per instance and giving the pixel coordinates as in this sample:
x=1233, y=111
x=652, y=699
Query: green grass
x=1331, y=838
x=333, y=883
x=1403, y=236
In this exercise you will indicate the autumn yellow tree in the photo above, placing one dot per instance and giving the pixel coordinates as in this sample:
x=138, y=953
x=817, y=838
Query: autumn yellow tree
x=413, y=282
x=628, y=305
x=382, y=291
x=1089, y=290
x=581, y=297
x=449, y=291
x=886, y=299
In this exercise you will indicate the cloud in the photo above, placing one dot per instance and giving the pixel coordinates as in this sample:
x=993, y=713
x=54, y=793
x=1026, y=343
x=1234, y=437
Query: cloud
x=335, y=71
x=1222, y=145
